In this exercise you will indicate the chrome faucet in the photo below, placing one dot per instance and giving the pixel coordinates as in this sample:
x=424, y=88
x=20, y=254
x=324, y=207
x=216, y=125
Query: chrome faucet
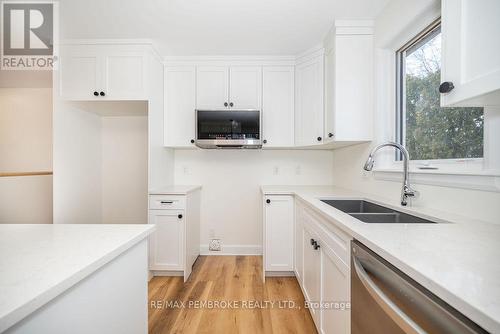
x=406, y=191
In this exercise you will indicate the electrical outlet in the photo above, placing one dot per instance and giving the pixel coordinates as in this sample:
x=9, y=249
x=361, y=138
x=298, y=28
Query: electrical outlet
x=214, y=245
x=276, y=170
x=185, y=169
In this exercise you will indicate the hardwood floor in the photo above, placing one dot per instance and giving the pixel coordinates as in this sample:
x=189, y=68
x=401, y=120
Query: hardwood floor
x=235, y=282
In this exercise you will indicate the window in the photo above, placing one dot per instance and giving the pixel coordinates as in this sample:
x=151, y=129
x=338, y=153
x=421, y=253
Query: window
x=428, y=131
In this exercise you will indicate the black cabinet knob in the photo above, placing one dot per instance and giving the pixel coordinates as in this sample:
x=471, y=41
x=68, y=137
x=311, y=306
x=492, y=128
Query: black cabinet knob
x=313, y=242
x=192, y=141
x=231, y=104
x=264, y=141
x=102, y=94
x=330, y=135
x=316, y=246
x=179, y=216
x=96, y=94
x=446, y=87
x=225, y=104
x=268, y=201
x=319, y=139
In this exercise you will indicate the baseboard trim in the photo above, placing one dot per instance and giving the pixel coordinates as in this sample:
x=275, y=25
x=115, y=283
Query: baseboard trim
x=167, y=273
x=280, y=274
x=233, y=250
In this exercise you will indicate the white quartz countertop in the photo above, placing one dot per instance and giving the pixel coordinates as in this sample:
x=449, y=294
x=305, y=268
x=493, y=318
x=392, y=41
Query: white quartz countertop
x=457, y=259
x=39, y=262
x=174, y=190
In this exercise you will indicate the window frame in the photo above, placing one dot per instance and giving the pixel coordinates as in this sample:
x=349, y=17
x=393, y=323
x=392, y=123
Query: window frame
x=474, y=164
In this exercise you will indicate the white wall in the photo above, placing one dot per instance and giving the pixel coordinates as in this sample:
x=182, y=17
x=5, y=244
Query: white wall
x=100, y=162
x=124, y=170
x=392, y=29
x=25, y=146
x=231, y=200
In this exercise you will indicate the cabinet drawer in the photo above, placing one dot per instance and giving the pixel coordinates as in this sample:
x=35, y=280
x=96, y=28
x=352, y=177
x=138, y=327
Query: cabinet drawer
x=337, y=240
x=167, y=202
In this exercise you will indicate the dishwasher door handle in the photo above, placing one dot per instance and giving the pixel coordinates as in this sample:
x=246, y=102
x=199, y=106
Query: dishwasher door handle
x=391, y=309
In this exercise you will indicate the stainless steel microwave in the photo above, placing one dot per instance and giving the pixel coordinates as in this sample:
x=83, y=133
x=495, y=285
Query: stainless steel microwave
x=228, y=129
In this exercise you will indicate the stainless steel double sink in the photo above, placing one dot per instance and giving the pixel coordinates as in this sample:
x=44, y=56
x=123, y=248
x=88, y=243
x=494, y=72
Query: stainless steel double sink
x=369, y=212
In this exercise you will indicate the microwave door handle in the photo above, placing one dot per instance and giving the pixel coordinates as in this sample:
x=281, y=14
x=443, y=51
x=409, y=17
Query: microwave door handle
x=391, y=309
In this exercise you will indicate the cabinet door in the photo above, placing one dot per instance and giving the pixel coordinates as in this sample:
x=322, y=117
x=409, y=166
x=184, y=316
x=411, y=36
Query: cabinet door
x=245, y=89
x=335, y=287
x=309, y=102
x=79, y=73
x=278, y=106
x=180, y=104
x=349, y=89
x=167, y=241
x=312, y=272
x=471, y=47
x=212, y=87
x=125, y=76
x=279, y=233
x=299, y=248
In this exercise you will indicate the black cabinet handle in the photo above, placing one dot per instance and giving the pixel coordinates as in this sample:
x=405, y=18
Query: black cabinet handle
x=179, y=216
x=319, y=138
x=316, y=246
x=330, y=135
x=446, y=87
x=231, y=104
x=268, y=201
x=102, y=94
x=225, y=104
x=313, y=242
x=96, y=94
x=192, y=141
x=264, y=141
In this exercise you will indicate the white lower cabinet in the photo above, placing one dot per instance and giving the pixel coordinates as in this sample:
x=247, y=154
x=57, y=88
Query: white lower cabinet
x=321, y=266
x=335, y=293
x=298, y=239
x=167, y=242
x=175, y=244
x=278, y=233
x=312, y=272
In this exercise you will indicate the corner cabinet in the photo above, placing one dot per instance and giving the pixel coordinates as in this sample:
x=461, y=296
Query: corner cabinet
x=104, y=72
x=175, y=244
x=470, y=53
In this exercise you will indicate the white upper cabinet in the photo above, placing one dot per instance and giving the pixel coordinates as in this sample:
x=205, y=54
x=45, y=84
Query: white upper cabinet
x=103, y=72
x=471, y=52
x=125, y=75
x=309, y=108
x=223, y=87
x=245, y=87
x=278, y=106
x=80, y=74
x=180, y=104
x=212, y=87
x=349, y=82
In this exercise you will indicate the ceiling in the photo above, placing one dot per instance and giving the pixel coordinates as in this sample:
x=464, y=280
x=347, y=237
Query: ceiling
x=213, y=27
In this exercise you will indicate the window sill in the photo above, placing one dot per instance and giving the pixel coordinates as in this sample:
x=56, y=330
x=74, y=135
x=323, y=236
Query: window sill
x=476, y=180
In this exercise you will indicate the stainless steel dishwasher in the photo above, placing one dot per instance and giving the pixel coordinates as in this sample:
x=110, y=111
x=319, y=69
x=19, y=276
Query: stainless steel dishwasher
x=385, y=300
